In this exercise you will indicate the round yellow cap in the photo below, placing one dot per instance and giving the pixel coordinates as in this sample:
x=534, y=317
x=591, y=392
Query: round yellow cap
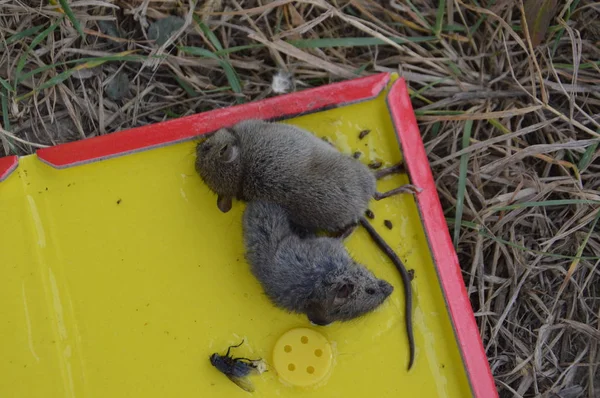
x=302, y=357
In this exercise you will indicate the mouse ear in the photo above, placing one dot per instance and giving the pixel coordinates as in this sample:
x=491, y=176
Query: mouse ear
x=342, y=292
x=224, y=203
x=228, y=153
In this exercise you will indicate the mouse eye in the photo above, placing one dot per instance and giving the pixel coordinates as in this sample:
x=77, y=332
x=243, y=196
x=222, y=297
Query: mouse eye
x=370, y=290
x=223, y=150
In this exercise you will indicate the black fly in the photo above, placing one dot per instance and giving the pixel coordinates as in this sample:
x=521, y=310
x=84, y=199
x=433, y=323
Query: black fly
x=236, y=369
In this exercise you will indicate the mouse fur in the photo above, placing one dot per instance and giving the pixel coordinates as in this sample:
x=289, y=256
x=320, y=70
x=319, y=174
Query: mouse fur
x=311, y=275
x=257, y=160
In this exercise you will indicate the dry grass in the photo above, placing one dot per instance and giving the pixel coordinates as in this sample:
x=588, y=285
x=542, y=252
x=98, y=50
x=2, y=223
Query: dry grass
x=511, y=131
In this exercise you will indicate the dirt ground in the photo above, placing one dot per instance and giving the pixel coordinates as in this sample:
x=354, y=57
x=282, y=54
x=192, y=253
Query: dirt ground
x=510, y=114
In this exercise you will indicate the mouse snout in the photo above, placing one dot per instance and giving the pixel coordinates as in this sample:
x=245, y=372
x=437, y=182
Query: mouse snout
x=318, y=320
x=385, y=287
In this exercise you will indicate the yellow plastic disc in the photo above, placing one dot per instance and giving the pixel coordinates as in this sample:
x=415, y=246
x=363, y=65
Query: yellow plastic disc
x=302, y=357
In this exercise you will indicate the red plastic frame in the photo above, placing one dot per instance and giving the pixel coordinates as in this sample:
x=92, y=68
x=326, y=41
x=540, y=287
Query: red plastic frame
x=333, y=95
x=7, y=165
x=440, y=244
x=177, y=130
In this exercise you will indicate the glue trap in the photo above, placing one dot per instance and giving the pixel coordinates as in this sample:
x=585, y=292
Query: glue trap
x=120, y=276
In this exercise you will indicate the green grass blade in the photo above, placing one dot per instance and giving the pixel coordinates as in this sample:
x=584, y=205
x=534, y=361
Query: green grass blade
x=454, y=68
x=361, y=68
x=238, y=48
x=482, y=232
x=171, y=115
x=431, y=85
x=477, y=25
x=547, y=203
x=6, y=84
x=18, y=36
x=188, y=89
x=38, y=39
x=438, y=112
x=586, y=65
x=439, y=17
x=209, y=34
x=230, y=73
x=128, y=58
x=588, y=155
x=6, y=119
x=20, y=65
x=561, y=31
x=67, y=9
x=277, y=28
x=94, y=62
x=454, y=28
x=232, y=76
x=499, y=126
x=462, y=180
x=418, y=13
x=34, y=43
x=357, y=41
x=61, y=77
x=435, y=129
x=583, y=245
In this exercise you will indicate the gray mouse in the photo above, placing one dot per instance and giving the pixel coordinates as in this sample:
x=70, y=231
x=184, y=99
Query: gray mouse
x=320, y=187
x=305, y=273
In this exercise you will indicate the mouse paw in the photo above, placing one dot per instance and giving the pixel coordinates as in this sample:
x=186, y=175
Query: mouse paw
x=408, y=188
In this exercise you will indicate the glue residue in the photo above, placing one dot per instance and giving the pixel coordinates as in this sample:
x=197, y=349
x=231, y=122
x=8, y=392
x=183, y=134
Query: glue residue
x=37, y=222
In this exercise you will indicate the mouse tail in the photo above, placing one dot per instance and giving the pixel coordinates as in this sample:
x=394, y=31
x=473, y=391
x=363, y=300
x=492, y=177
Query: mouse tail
x=406, y=281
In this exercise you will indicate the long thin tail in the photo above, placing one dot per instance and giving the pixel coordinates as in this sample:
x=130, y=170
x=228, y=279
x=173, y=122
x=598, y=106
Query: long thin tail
x=406, y=279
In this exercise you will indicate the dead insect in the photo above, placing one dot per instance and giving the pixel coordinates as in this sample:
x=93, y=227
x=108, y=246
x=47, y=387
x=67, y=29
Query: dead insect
x=363, y=134
x=236, y=369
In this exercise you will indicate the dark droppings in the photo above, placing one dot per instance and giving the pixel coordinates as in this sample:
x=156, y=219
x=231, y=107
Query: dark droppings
x=363, y=134
x=411, y=273
x=119, y=201
x=357, y=154
x=369, y=213
x=388, y=224
x=375, y=164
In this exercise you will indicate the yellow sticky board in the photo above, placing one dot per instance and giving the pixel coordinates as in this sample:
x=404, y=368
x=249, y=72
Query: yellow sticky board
x=121, y=277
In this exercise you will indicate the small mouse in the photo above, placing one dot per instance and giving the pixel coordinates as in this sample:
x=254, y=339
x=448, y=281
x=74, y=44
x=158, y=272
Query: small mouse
x=307, y=274
x=320, y=187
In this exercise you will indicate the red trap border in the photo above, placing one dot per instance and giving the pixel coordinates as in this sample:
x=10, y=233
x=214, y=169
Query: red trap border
x=7, y=165
x=440, y=243
x=312, y=100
